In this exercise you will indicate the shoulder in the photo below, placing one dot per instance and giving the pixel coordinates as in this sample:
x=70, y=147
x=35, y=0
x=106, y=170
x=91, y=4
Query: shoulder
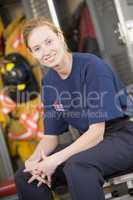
x=84, y=57
x=92, y=66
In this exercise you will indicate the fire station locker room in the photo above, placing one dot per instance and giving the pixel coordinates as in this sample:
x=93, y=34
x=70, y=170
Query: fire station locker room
x=101, y=27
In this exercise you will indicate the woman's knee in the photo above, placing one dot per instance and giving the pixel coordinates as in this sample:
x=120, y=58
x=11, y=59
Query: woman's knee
x=75, y=167
x=22, y=176
x=72, y=164
x=78, y=159
x=30, y=189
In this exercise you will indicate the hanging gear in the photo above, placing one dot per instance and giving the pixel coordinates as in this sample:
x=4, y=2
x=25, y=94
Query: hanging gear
x=19, y=97
x=22, y=136
x=18, y=79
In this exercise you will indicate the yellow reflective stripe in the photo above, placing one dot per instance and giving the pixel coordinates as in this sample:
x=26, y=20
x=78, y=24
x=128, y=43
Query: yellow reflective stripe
x=10, y=66
x=21, y=86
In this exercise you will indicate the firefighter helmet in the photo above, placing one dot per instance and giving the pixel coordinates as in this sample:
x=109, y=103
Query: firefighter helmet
x=18, y=78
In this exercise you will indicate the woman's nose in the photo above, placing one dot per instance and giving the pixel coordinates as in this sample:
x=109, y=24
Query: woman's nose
x=45, y=50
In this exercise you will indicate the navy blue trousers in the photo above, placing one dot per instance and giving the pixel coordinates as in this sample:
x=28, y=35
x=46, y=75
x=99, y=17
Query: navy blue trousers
x=86, y=171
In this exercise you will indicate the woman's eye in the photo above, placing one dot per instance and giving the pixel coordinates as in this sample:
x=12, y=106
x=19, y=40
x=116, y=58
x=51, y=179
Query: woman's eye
x=36, y=49
x=49, y=42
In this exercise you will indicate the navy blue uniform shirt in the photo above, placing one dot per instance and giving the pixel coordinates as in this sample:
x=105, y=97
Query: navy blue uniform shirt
x=92, y=93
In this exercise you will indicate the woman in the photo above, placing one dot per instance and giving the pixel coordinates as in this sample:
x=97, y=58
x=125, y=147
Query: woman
x=82, y=90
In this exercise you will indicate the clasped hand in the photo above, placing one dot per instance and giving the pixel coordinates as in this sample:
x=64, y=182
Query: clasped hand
x=41, y=170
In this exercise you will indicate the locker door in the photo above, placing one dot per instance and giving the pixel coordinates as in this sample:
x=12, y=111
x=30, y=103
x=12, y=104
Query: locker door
x=111, y=36
x=36, y=8
x=124, y=9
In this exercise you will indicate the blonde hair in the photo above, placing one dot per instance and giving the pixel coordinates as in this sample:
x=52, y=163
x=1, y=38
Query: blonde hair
x=37, y=22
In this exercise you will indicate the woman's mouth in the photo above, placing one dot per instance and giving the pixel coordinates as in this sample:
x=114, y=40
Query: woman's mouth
x=49, y=58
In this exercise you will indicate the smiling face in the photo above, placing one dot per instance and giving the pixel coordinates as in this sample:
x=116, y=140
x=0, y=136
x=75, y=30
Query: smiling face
x=47, y=46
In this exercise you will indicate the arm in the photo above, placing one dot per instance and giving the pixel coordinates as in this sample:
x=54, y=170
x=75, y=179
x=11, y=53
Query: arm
x=47, y=144
x=90, y=138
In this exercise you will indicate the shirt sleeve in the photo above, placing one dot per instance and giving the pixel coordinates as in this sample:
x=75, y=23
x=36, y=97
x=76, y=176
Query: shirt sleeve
x=54, y=123
x=103, y=102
